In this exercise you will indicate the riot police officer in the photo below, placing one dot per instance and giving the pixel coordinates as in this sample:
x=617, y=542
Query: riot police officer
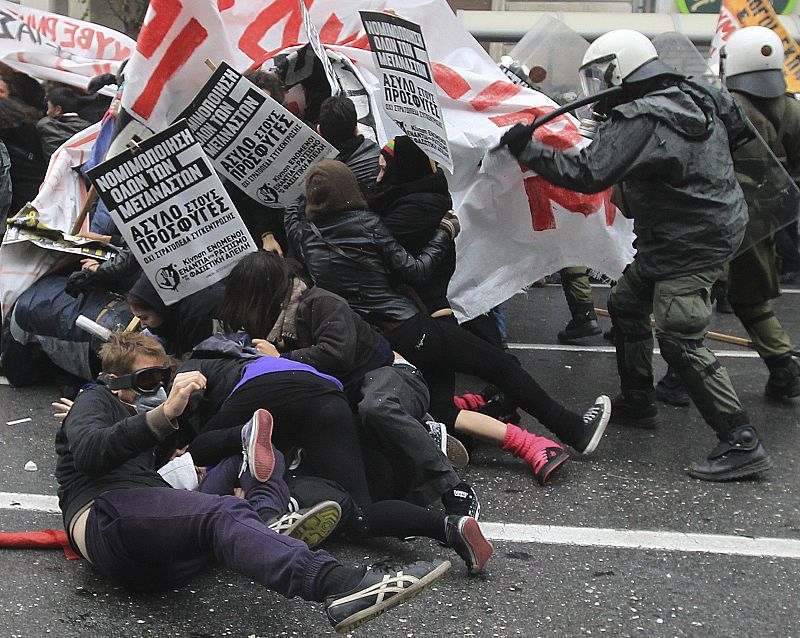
x=665, y=140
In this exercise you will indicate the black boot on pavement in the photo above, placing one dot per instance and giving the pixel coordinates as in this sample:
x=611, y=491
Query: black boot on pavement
x=635, y=409
x=784, y=377
x=670, y=390
x=583, y=324
x=740, y=456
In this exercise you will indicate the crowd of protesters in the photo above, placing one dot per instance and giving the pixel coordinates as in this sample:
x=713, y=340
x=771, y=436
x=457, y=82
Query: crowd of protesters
x=318, y=378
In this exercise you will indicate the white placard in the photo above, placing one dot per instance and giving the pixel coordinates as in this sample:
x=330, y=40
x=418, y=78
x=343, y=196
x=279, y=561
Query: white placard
x=408, y=93
x=173, y=212
x=252, y=140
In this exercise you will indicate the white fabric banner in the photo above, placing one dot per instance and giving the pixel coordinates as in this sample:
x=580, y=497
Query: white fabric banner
x=49, y=46
x=516, y=227
x=58, y=203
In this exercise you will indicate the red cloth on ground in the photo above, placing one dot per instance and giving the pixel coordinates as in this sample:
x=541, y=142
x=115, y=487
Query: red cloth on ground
x=45, y=539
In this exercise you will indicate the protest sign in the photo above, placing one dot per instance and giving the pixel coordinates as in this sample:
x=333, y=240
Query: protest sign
x=538, y=228
x=736, y=14
x=408, y=93
x=49, y=46
x=173, y=212
x=252, y=140
x=319, y=50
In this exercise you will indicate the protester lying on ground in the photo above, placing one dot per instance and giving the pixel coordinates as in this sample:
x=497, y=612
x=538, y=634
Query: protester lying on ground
x=310, y=412
x=40, y=333
x=162, y=537
x=349, y=251
x=184, y=324
x=28, y=163
x=266, y=297
x=61, y=121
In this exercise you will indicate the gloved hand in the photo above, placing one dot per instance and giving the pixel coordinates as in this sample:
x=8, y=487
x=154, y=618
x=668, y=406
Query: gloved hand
x=79, y=282
x=450, y=225
x=517, y=138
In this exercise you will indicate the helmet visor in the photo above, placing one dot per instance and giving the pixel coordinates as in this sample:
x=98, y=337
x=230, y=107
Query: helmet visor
x=598, y=75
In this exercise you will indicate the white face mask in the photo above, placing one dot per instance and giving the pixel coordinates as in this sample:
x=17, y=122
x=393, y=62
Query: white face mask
x=146, y=401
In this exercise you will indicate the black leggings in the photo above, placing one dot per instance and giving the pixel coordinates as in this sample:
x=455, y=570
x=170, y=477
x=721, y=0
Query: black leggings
x=440, y=349
x=308, y=411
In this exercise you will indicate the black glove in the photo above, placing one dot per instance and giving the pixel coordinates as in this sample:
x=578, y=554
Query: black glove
x=450, y=225
x=99, y=81
x=79, y=282
x=517, y=138
x=113, y=275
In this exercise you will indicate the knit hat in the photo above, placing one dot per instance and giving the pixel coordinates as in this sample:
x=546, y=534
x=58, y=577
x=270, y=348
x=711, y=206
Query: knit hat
x=405, y=161
x=331, y=187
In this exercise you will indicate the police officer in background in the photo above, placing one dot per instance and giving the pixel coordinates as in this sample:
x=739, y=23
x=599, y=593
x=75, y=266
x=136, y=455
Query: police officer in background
x=665, y=140
x=753, y=67
x=753, y=71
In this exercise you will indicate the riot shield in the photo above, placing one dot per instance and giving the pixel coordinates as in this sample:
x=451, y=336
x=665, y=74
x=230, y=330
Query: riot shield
x=553, y=52
x=773, y=198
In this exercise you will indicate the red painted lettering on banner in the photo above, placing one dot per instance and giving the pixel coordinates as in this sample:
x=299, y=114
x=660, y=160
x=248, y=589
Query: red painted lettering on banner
x=449, y=80
x=541, y=193
x=102, y=43
x=561, y=134
x=331, y=30
x=69, y=29
x=270, y=16
x=494, y=95
x=176, y=55
x=47, y=27
x=224, y=5
x=565, y=138
x=85, y=38
x=165, y=13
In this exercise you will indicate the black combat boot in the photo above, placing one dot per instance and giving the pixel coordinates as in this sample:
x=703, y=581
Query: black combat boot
x=740, y=455
x=670, y=389
x=583, y=323
x=784, y=377
x=636, y=409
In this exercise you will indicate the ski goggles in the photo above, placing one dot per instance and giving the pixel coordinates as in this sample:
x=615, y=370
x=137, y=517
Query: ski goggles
x=144, y=380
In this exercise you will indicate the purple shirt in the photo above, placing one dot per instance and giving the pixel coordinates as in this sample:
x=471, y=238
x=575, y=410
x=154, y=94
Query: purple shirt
x=265, y=365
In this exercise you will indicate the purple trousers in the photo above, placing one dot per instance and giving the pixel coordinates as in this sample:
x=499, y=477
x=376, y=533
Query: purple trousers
x=153, y=538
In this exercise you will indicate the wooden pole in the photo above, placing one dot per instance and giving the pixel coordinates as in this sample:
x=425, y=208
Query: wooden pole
x=76, y=227
x=716, y=336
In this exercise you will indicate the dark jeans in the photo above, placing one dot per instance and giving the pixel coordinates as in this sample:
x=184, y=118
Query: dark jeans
x=440, y=349
x=154, y=538
x=393, y=400
x=272, y=495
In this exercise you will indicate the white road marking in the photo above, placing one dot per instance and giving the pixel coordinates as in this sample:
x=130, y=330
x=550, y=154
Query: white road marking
x=552, y=534
x=29, y=502
x=733, y=354
x=643, y=539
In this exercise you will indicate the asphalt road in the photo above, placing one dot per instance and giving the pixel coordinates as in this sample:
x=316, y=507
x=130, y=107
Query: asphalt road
x=580, y=579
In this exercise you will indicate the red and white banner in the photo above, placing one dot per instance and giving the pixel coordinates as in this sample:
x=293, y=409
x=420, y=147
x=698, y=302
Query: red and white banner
x=516, y=226
x=49, y=46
